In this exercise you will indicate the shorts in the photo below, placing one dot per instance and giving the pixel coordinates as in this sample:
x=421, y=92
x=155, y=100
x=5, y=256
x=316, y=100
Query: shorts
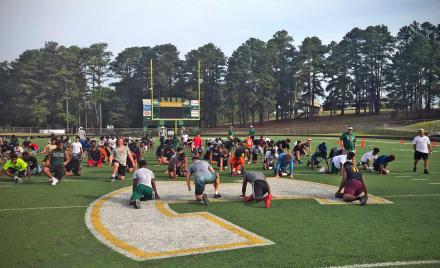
x=57, y=171
x=261, y=187
x=419, y=155
x=121, y=169
x=353, y=187
x=19, y=173
x=200, y=182
x=254, y=156
x=143, y=192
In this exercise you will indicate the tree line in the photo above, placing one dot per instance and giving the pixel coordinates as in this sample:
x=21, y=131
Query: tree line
x=368, y=69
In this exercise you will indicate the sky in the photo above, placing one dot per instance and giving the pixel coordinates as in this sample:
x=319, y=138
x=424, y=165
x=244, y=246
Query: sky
x=189, y=24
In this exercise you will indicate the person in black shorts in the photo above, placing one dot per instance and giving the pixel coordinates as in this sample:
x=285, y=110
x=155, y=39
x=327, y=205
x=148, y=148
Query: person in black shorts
x=260, y=188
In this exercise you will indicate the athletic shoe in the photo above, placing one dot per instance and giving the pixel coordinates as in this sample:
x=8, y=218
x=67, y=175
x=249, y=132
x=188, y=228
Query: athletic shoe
x=426, y=171
x=268, y=200
x=414, y=169
x=205, y=199
x=137, y=204
x=217, y=195
x=363, y=200
x=18, y=180
x=131, y=203
x=112, y=179
x=54, y=182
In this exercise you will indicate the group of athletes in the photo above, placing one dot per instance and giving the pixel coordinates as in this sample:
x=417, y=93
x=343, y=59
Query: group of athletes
x=63, y=157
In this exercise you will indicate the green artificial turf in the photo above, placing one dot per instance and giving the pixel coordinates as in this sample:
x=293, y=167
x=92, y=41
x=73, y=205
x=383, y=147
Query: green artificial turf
x=305, y=233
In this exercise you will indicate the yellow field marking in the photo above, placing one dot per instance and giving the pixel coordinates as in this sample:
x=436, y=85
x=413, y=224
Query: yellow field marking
x=164, y=209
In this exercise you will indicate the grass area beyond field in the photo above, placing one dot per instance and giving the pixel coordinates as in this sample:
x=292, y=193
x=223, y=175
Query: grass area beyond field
x=43, y=226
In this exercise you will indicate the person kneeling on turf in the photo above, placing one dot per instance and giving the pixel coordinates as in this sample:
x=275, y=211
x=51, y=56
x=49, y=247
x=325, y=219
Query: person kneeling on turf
x=56, y=162
x=368, y=158
x=381, y=163
x=203, y=174
x=15, y=168
x=143, y=185
x=353, y=184
x=284, y=160
x=260, y=188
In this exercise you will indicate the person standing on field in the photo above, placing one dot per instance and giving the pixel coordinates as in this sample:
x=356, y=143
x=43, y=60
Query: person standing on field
x=348, y=140
x=422, y=148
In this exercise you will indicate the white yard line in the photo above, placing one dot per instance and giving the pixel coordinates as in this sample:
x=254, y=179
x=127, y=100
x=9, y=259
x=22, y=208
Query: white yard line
x=38, y=208
x=418, y=179
x=385, y=264
x=434, y=183
x=410, y=195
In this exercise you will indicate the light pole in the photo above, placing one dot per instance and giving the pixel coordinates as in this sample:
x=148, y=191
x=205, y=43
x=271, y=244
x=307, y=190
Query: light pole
x=67, y=100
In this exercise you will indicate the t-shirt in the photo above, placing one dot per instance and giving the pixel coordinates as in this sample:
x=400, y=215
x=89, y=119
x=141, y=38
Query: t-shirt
x=82, y=134
x=352, y=172
x=422, y=144
x=112, y=142
x=31, y=161
x=251, y=131
x=349, y=141
x=185, y=137
x=76, y=147
x=230, y=132
x=270, y=157
x=19, y=166
x=339, y=159
x=144, y=176
x=120, y=154
x=284, y=144
x=282, y=163
x=175, y=160
x=95, y=154
x=197, y=141
x=50, y=147
x=199, y=168
x=57, y=158
x=382, y=160
x=368, y=156
x=252, y=176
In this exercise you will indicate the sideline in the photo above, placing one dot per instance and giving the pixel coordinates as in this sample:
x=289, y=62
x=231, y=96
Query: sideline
x=385, y=264
x=38, y=208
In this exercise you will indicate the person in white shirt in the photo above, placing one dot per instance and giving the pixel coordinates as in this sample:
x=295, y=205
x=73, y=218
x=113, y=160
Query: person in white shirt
x=77, y=147
x=339, y=160
x=81, y=133
x=143, y=185
x=184, y=138
x=368, y=158
x=422, y=148
x=270, y=158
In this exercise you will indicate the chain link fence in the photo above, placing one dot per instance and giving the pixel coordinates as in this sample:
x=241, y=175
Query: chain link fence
x=402, y=128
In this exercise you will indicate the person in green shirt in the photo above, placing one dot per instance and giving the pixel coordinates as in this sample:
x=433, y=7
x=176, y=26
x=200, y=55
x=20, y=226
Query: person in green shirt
x=57, y=160
x=15, y=168
x=252, y=132
x=231, y=132
x=348, y=140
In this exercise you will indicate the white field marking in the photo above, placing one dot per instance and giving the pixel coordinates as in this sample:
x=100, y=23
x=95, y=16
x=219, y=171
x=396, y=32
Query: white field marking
x=6, y=186
x=418, y=179
x=434, y=183
x=410, y=195
x=403, y=176
x=385, y=264
x=38, y=208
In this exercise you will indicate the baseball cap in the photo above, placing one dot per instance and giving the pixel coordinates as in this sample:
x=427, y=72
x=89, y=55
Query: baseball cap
x=350, y=128
x=309, y=139
x=421, y=130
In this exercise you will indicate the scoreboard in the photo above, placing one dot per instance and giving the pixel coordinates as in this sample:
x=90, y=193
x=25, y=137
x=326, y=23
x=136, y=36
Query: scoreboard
x=177, y=109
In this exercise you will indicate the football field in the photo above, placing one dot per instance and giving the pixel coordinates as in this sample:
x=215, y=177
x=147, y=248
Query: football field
x=65, y=225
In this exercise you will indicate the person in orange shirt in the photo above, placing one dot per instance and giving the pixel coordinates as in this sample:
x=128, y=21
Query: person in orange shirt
x=237, y=163
x=248, y=142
